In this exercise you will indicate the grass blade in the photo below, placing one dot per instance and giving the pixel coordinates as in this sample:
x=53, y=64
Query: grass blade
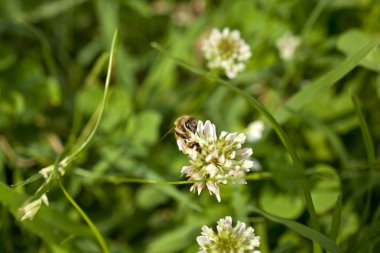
x=316, y=88
x=92, y=226
x=368, y=144
x=51, y=9
x=82, y=146
x=46, y=221
x=368, y=236
x=320, y=6
x=336, y=143
x=335, y=224
x=303, y=230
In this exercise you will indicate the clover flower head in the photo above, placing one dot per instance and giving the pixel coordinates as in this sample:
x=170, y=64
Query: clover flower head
x=30, y=209
x=226, y=50
x=216, y=158
x=255, y=131
x=228, y=239
x=287, y=45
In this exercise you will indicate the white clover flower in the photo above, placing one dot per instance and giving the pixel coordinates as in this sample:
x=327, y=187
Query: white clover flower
x=287, y=44
x=228, y=239
x=255, y=131
x=30, y=209
x=216, y=158
x=226, y=50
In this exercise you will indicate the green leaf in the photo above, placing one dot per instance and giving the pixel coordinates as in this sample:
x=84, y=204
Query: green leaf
x=46, y=221
x=54, y=91
x=88, y=98
x=352, y=40
x=335, y=224
x=303, y=230
x=317, y=142
x=326, y=190
x=284, y=204
x=147, y=127
x=148, y=199
x=51, y=9
x=317, y=87
x=350, y=222
x=118, y=110
x=173, y=241
x=368, y=236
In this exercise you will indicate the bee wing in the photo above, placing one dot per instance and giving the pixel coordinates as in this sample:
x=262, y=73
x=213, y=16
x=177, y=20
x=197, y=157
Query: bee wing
x=181, y=144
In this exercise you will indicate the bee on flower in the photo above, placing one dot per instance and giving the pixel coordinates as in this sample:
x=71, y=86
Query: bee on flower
x=238, y=239
x=214, y=158
x=227, y=51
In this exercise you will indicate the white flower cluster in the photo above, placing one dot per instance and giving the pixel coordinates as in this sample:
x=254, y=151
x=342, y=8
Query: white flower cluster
x=287, y=45
x=30, y=209
x=226, y=50
x=228, y=239
x=216, y=158
x=255, y=131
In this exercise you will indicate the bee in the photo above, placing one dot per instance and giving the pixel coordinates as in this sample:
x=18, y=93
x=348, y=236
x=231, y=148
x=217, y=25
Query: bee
x=184, y=129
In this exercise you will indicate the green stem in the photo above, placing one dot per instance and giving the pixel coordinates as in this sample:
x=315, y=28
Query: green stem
x=292, y=64
x=313, y=17
x=368, y=144
x=75, y=153
x=96, y=232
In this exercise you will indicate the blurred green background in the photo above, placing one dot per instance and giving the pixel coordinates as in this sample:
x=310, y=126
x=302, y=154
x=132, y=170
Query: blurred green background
x=52, y=75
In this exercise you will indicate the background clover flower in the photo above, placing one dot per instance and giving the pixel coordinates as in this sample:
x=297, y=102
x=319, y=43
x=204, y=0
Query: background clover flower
x=216, y=158
x=287, y=45
x=238, y=239
x=255, y=131
x=226, y=50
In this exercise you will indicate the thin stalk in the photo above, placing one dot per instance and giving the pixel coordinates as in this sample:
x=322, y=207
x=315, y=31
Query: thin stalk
x=75, y=153
x=368, y=144
x=92, y=226
x=292, y=65
x=313, y=17
x=256, y=176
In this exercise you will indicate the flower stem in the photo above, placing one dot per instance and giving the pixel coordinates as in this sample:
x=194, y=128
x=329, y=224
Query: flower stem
x=96, y=232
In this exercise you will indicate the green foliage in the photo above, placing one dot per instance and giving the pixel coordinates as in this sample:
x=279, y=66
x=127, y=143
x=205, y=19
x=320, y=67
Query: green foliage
x=319, y=185
x=303, y=230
